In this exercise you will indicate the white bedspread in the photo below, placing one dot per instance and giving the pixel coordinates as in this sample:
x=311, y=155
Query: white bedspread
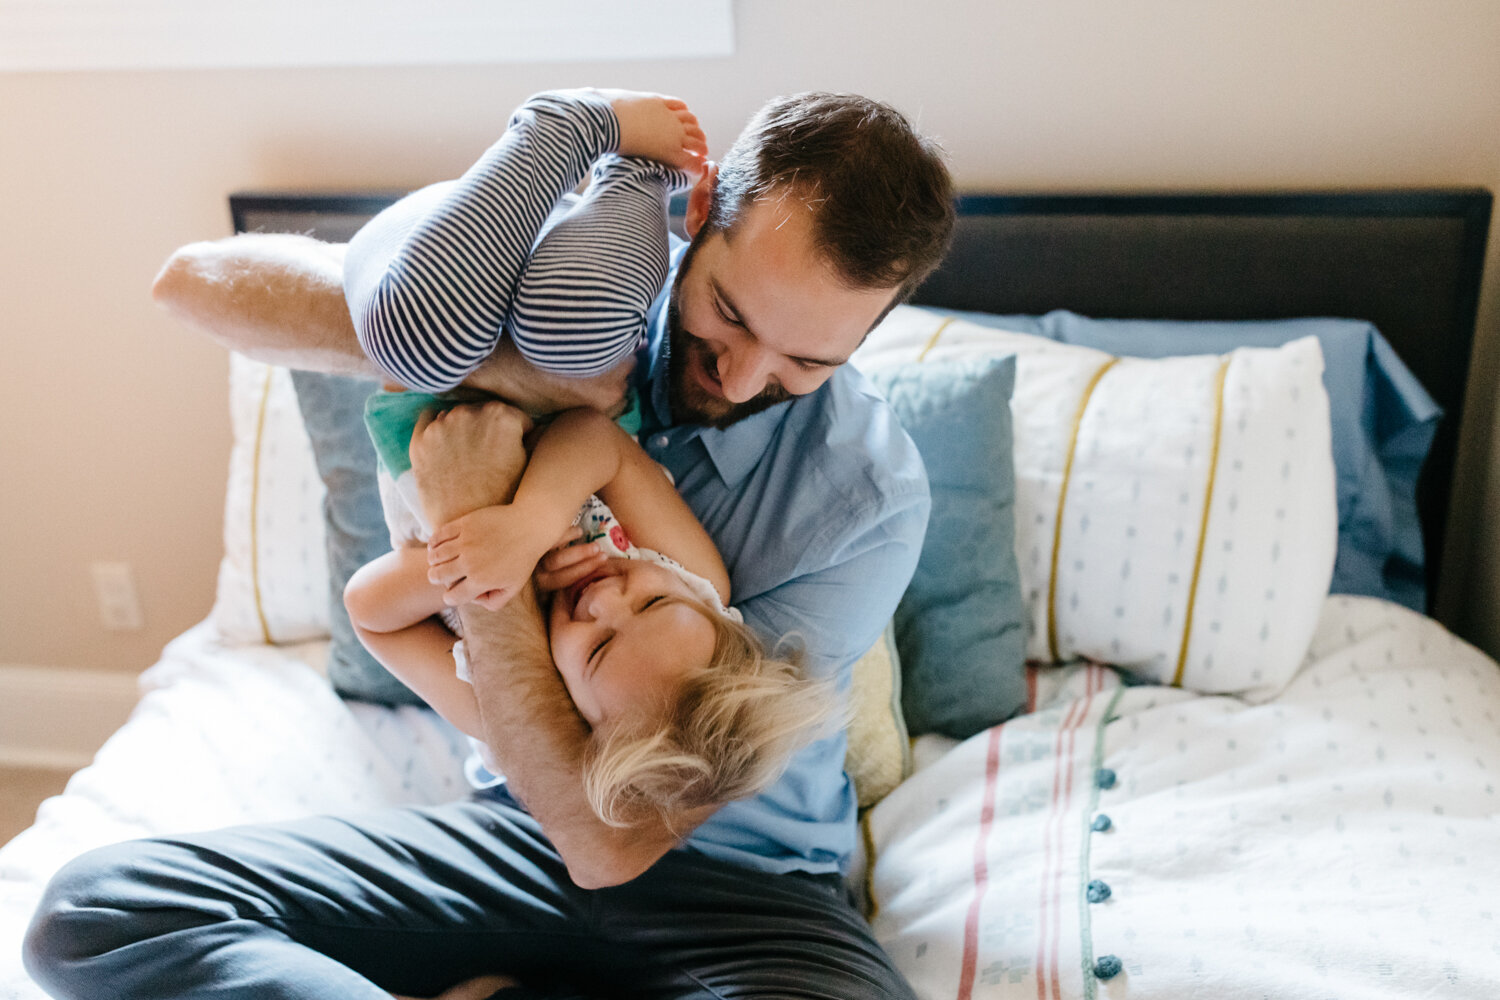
x=226, y=735
x=1340, y=841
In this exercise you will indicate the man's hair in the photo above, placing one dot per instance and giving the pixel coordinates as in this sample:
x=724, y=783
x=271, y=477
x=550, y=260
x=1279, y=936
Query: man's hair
x=727, y=734
x=880, y=193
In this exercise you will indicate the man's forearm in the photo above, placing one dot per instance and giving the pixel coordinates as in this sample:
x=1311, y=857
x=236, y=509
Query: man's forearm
x=279, y=298
x=538, y=739
x=274, y=297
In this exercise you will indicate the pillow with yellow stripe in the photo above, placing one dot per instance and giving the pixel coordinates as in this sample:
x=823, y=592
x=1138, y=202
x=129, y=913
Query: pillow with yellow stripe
x=273, y=579
x=1174, y=516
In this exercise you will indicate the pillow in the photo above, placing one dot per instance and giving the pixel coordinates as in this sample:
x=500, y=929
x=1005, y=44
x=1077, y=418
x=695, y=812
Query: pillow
x=332, y=409
x=879, y=754
x=273, y=579
x=960, y=626
x=1383, y=421
x=1198, y=521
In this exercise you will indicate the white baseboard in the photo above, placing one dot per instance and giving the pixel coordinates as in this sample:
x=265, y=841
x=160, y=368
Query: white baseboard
x=55, y=717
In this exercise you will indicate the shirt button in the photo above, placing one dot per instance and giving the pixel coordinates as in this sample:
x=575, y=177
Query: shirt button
x=1098, y=891
x=1104, y=778
x=659, y=442
x=1101, y=823
x=1108, y=967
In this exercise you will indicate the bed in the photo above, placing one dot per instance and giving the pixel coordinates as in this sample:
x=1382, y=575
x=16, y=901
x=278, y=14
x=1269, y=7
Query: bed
x=1065, y=795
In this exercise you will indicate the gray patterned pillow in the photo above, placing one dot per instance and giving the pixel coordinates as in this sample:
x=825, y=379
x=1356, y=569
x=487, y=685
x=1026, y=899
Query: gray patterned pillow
x=333, y=412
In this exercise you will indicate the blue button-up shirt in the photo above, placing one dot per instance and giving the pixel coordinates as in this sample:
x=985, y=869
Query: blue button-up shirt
x=818, y=505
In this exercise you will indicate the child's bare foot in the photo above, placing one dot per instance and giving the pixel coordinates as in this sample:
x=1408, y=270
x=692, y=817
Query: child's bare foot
x=658, y=128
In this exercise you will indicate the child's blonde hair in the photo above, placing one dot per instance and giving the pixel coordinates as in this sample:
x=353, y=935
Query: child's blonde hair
x=727, y=734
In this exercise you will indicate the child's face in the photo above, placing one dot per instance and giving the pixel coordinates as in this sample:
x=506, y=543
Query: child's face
x=622, y=642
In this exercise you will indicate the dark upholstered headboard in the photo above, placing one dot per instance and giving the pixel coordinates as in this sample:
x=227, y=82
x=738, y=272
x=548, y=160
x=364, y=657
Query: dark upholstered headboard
x=1410, y=262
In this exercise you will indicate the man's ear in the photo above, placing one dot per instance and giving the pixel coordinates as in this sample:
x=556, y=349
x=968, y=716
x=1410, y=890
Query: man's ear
x=699, y=200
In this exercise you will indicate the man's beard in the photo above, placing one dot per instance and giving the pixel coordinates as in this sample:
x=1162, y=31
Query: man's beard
x=690, y=403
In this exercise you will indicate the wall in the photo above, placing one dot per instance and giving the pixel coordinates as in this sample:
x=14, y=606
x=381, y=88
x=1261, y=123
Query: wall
x=117, y=438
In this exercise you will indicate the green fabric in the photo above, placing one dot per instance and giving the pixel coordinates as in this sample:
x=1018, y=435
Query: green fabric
x=391, y=418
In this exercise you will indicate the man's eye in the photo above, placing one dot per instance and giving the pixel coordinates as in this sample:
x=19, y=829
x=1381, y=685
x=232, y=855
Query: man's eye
x=653, y=600
x=724, y=314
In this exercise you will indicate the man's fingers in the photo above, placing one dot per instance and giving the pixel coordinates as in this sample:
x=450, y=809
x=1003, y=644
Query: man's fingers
x=504, y=413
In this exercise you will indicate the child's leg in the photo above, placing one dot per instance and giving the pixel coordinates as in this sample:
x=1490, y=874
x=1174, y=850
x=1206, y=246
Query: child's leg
x=393, y=609
x=430, y=282
x=583, y=300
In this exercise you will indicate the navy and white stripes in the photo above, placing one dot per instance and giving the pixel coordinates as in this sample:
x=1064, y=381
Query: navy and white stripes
x=434, y=280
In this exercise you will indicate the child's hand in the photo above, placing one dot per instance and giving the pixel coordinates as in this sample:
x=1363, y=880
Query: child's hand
x=565, y=564
x=483, y=557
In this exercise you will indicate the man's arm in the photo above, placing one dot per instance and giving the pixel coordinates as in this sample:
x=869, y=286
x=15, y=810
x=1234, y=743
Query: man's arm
x=279, y=298
x=463, y=460
x=537, y=739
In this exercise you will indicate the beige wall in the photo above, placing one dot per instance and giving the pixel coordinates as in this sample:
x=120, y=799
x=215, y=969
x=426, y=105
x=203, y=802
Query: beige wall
x=116, y=438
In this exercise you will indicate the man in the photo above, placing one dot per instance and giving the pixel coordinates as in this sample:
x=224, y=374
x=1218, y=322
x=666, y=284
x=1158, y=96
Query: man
x=824, y=214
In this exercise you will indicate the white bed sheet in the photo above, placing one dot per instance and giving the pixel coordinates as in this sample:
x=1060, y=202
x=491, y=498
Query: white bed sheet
x=1340, y=841
x=223, y=735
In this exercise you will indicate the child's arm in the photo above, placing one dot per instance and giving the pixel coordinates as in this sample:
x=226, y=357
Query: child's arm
x=393, y=610
x=582, y=452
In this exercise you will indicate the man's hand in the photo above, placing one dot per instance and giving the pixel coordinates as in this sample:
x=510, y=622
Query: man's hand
x=467, y=458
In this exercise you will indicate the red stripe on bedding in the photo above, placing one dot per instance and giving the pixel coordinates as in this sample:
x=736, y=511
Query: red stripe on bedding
x=981, y=868
x=1062, y=795
x=1042, y=901
x=1089, y=689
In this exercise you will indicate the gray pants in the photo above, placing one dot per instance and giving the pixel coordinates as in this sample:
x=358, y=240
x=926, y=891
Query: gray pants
x=414, y=900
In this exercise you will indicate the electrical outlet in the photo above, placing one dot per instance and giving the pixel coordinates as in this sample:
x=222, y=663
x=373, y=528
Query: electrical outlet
x=119, y=606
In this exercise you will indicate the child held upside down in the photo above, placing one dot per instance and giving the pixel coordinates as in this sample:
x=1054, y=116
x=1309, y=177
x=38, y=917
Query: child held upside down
x=685, y=706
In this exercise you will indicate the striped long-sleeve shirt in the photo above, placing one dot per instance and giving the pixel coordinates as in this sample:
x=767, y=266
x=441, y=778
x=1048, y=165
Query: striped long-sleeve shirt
x=435, y=280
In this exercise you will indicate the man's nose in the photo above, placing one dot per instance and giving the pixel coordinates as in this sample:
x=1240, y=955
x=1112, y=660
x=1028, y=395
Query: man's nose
x=744, y=372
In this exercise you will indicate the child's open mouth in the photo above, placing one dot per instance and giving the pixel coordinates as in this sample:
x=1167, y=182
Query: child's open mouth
x=574, y=593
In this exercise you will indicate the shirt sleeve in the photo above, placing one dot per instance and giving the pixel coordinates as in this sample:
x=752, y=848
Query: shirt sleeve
x=837, y=612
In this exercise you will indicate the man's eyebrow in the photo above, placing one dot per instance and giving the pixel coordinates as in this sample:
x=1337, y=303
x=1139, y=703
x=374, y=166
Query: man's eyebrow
x=739, y=318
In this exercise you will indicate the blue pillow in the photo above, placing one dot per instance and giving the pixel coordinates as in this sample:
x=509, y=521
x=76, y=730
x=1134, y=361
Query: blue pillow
x=961, y=625
x=333, y=409
x=1383, y=422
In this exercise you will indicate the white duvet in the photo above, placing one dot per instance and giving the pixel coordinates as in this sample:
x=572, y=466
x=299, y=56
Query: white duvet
x=1341, y=841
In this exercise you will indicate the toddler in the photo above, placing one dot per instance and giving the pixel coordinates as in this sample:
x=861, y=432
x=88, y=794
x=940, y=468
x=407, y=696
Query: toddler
x=685, y=706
